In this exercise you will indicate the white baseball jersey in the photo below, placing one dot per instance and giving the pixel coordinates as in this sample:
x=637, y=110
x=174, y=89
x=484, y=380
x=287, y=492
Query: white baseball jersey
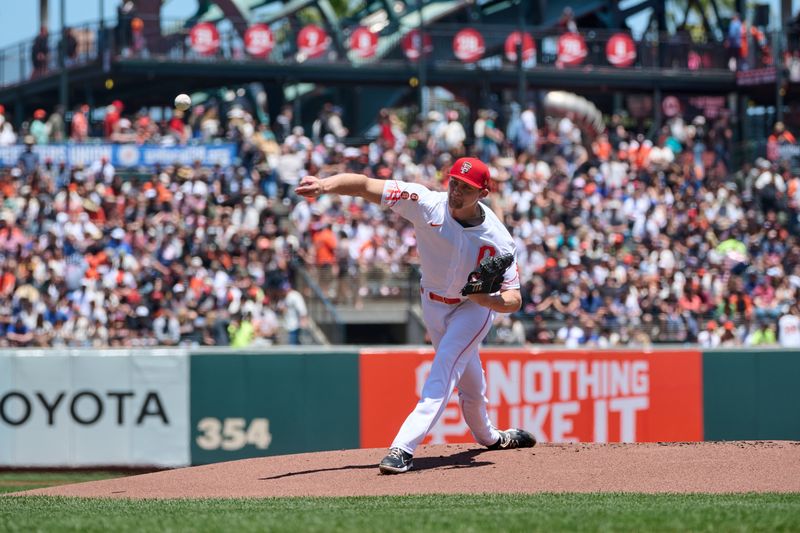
x=449, y=252
x=789, y=331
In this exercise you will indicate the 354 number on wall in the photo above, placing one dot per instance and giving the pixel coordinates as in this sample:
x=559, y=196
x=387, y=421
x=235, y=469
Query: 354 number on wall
x=233, y=433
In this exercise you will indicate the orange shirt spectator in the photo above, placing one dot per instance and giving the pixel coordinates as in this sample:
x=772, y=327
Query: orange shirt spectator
x=602, y=148
x=325, y=246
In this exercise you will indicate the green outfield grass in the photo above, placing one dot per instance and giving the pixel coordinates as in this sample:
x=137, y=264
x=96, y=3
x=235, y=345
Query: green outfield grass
x=459, y=513
x=16, y=481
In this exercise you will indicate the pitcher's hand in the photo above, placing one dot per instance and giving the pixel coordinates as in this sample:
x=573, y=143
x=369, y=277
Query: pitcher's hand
x=310, y=187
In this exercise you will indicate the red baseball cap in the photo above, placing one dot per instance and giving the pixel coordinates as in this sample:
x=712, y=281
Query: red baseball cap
x=471, y=171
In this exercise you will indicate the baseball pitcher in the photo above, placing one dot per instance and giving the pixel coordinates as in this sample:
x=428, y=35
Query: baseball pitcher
x=469, y=273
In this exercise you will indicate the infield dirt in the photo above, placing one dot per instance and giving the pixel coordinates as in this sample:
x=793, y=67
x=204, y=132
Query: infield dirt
x=706, y=467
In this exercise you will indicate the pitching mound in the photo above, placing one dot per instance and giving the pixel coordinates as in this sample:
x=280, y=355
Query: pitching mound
x=772, y=466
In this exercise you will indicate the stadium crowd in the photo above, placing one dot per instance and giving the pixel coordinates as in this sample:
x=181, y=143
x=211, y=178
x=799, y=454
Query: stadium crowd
x=622, y=239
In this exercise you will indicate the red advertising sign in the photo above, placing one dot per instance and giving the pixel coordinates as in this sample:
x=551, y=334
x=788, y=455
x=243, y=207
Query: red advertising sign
x=312, y=41
x=571, y=49
x=621, y=50
x=468, y=45
x=364, y=43
x=559, y=396
x=413, y=41
x=512, y=42
x=258, y=40
x=204, y=38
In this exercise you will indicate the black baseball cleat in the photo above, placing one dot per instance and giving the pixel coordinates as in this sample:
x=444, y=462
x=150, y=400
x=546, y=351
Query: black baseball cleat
x=513, y=438
x=397, y=462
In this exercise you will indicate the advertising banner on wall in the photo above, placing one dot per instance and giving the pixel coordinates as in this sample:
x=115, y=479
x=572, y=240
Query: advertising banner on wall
x=559, y=396
x=94, y=408
x=253, y=405
x=125, y=155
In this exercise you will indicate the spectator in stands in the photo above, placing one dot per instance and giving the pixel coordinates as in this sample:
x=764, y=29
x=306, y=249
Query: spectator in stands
x=28, y=159
x=113, y=115
x=733, y=42
x=69, y=47
x=487, y=135
x=283, y=123
x=55, y=125
x=789, y=327
x=38, y=128
x=79, y=127
x=570, y=335
x=325, y=245
x=509, y=331
x=709, y=337
x=126, y=11
x=293, y=311
x=40, y=52
x=138, y=40
x=7, y=134
x=454, y=135
x=329, y=121
x=566, y=23
x=166, y=328
x=763, y=335
x=241, y=330
x=780, y=137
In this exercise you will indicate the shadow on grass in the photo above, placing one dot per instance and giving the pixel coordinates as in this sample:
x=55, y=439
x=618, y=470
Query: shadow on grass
x=465, y=459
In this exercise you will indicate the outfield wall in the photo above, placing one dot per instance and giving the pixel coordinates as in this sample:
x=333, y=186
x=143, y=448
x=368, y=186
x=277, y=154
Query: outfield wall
x=75, y=408
x=176, y=407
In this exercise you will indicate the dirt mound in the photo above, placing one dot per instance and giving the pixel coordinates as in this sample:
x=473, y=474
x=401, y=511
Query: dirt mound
x=771, y=466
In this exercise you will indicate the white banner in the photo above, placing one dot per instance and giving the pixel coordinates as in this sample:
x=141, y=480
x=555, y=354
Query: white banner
x=94, y=408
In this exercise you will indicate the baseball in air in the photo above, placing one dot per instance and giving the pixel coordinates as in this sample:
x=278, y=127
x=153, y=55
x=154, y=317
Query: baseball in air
x=182, y=102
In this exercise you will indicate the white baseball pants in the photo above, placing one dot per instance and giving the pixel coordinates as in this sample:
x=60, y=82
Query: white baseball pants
x=456, y=331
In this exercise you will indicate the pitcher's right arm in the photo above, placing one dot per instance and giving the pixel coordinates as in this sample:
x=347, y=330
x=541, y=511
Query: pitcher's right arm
x=347, y=184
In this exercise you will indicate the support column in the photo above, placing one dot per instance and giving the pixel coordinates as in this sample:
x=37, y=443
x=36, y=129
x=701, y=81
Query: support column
x=619, y=103
x=43, y=14
x=63, y=86
x=522, y=88
x=657, y=117
x=423, y=82
x=777, y=60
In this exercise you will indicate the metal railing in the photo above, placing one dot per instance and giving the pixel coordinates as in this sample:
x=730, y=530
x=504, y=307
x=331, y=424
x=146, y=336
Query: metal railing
x=358, y=286
x=107, y=42
x=320, y=308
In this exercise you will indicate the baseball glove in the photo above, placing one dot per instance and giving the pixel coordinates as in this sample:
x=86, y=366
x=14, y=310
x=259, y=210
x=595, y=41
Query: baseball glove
x=489, y=276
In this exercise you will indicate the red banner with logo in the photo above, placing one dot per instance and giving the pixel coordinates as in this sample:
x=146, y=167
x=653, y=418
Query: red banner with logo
x=204, y=38
x=312, y=41
x=258, y=40
x=513, y=42
x=468, y=45
x=572, y=50
x=559, y=396
x=413, y=42
x=621, y=50
x=363, y=43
